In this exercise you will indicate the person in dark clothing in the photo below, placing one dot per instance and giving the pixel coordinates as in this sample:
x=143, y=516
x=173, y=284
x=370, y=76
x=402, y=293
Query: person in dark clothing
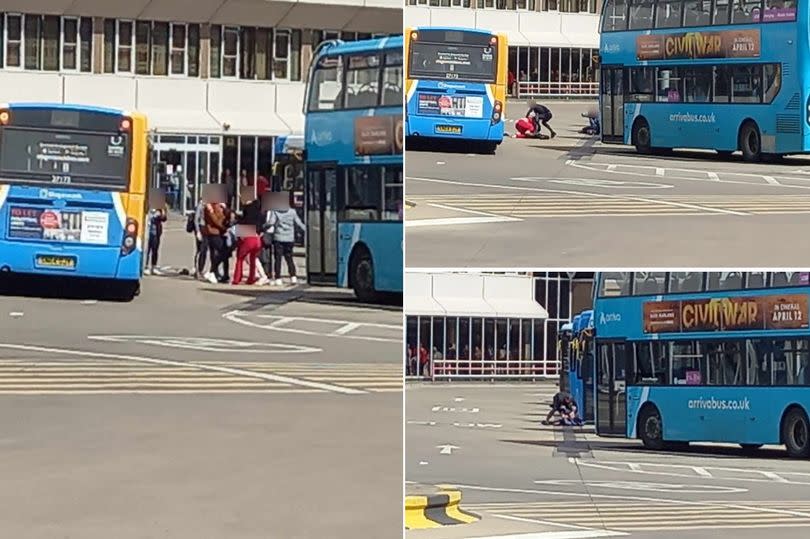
x=157, y=216
x=540, y=114
x=561, y=404
x=217, y=217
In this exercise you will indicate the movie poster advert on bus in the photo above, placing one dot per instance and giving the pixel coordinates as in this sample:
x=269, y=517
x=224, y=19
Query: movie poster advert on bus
x=469, y=106
x=699, y=45
x=727, y=314
x=91, y=227
x=378, y=135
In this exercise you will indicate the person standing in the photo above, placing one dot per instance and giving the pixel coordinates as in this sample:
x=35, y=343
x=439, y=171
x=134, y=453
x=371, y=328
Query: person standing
x=249, y=243
x=157, y=216
x=201, y=238
x=283, y=222
x=217, y=217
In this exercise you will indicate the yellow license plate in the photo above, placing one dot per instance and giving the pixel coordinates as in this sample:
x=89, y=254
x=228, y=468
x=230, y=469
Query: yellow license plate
x=450, y=129
x=56, y=261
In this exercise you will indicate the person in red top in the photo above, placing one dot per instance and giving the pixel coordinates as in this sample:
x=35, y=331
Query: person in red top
x=262, y=185
x=511, y=83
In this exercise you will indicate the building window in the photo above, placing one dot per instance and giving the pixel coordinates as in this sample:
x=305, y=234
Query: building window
x=125, y=44
x=109, y=45
x=33, y=30
x=2, y=39
x=50, y=43
x=193, y=50
x=230, y=51
x=160, y=48
x=143, y=32
x=14, y=40
x=216, y=52
x=178, y=56
x=281, y=55
x=295, y=55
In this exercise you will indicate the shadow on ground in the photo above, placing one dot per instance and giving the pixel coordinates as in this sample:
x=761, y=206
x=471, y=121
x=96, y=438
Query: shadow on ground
x=64, y=288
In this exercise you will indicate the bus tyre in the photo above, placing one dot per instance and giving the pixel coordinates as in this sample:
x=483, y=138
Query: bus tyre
x=642, y=137
x=489, y=148
x=362, y=273
x=650, y=428
x=796, y=433
x=750, y=142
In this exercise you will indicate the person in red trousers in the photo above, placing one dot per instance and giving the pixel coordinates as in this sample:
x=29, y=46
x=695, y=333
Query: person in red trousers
x=249, y=244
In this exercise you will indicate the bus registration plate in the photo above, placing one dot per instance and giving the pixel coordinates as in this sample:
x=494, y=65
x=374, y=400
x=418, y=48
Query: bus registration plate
x=56, y=262
x=449, y=129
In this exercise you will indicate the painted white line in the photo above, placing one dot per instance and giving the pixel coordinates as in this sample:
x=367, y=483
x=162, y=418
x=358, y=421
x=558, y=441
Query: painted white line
x=282, y=321
x=239, y=372
x=89, y=302
x=611, y=167
x=702, y=471
x=771, y=180
x=582, y=193
x=452, y=221
x=658, y=171
x=423, y=423
x=463, y=210
x=326, y=321
x=673, y=501
x=447, y=449
x=16, y=314
x=775, y=477
x=713, y=176
x=351, y=326
x=545, y=522
x=235, y=317
x=203, y=344
x=634, y=466
x=583, y=534
x=423, y=463
x=459, y=399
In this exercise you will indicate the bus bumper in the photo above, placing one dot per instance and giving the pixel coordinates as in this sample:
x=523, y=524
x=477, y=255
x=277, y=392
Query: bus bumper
x=450, y=128
x=78, y=261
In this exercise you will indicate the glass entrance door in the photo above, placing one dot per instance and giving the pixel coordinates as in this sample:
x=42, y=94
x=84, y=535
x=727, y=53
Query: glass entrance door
x=611, y=406
x=321, y=221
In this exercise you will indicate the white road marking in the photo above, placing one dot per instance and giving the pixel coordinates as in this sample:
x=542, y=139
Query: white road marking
x=713, y=176
x=202, y=366
x=659, y=171
x=351, y=326
x=453, y=221
x=771, y=180
x=545, y=522
x=581, y=193
x=235, y=316
x=423, y=463
x=89, y=302
x=282, y=321
x=573, y=534
x=478, y=425
x=204, y=344
x=459, y=399
x=464, y=210
x=651, y=487
x=326, y=321
x=625, y=498
x=447, y=449
x=702, y=471
x=774, y=476
x=634, y=466
x=423, y=423
x=16, y=314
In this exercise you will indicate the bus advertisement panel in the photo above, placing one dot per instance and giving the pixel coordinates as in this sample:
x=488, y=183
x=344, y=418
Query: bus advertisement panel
x=73, y=183
x=354, y=176
x=728, y=364
x=680, y=76
x=456, y=84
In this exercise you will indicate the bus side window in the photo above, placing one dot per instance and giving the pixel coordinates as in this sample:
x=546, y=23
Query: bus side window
x=773, y=81
x=746, y=11
x=721, y=12
x=641, y=14
x=697, y=13
x=615, y=18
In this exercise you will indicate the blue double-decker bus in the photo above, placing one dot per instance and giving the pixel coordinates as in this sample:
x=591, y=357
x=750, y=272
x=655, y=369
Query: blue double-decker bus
x=73, y=193
x=576, y=345
x=353, y=160
x=723, y=75
x=704, y=357
x=456, y=84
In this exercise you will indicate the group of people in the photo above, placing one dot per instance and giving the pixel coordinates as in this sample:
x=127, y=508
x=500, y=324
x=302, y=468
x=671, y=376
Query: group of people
x=564, y=406
x=530, y=126
x=257, y=234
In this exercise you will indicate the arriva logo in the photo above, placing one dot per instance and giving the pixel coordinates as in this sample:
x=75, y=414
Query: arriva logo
x=448, y=85
x=321, y=138
x=47, y=193
x=611, y=47
x=610, y=317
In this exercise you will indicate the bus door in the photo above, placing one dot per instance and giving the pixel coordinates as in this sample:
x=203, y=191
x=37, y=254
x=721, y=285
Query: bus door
x=321, y=222
x=586, y=374
x=611, y=405
x=611, y=114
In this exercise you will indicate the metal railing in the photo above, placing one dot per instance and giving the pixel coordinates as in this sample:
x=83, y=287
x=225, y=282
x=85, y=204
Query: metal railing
x=559, y=89
x=476, y=369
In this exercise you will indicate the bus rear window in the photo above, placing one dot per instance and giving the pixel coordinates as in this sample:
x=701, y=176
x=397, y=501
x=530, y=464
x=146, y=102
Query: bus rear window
x=69, y=158
x=470, y=63
x=326, y=86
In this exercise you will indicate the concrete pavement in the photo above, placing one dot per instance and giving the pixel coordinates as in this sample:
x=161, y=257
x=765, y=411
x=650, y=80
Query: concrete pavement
x=525, y=478
x=572, y=201
x=192, y=412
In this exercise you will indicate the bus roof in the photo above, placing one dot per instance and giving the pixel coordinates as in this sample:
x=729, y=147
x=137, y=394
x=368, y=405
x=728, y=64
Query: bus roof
x=456, y=29
x=65, y=106
x=366, y=45
x=568, y=326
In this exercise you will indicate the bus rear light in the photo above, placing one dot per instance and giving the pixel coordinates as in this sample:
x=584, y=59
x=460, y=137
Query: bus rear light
x=130, y=237
x=4, y=117
x=493, y=40
x=125, y=124
x=414, y=35
x=132, y=227
x=496, y=112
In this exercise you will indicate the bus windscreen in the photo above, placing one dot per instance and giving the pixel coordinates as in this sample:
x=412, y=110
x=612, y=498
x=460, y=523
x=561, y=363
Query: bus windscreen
x=468, y=63
x=70, y=158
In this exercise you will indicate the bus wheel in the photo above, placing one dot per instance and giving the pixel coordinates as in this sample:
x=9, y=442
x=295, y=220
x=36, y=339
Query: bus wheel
x=796, y=433
x=489, y=148
x=642, y=137
x=651, y=429
x=750, y=142
x=362, y=272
